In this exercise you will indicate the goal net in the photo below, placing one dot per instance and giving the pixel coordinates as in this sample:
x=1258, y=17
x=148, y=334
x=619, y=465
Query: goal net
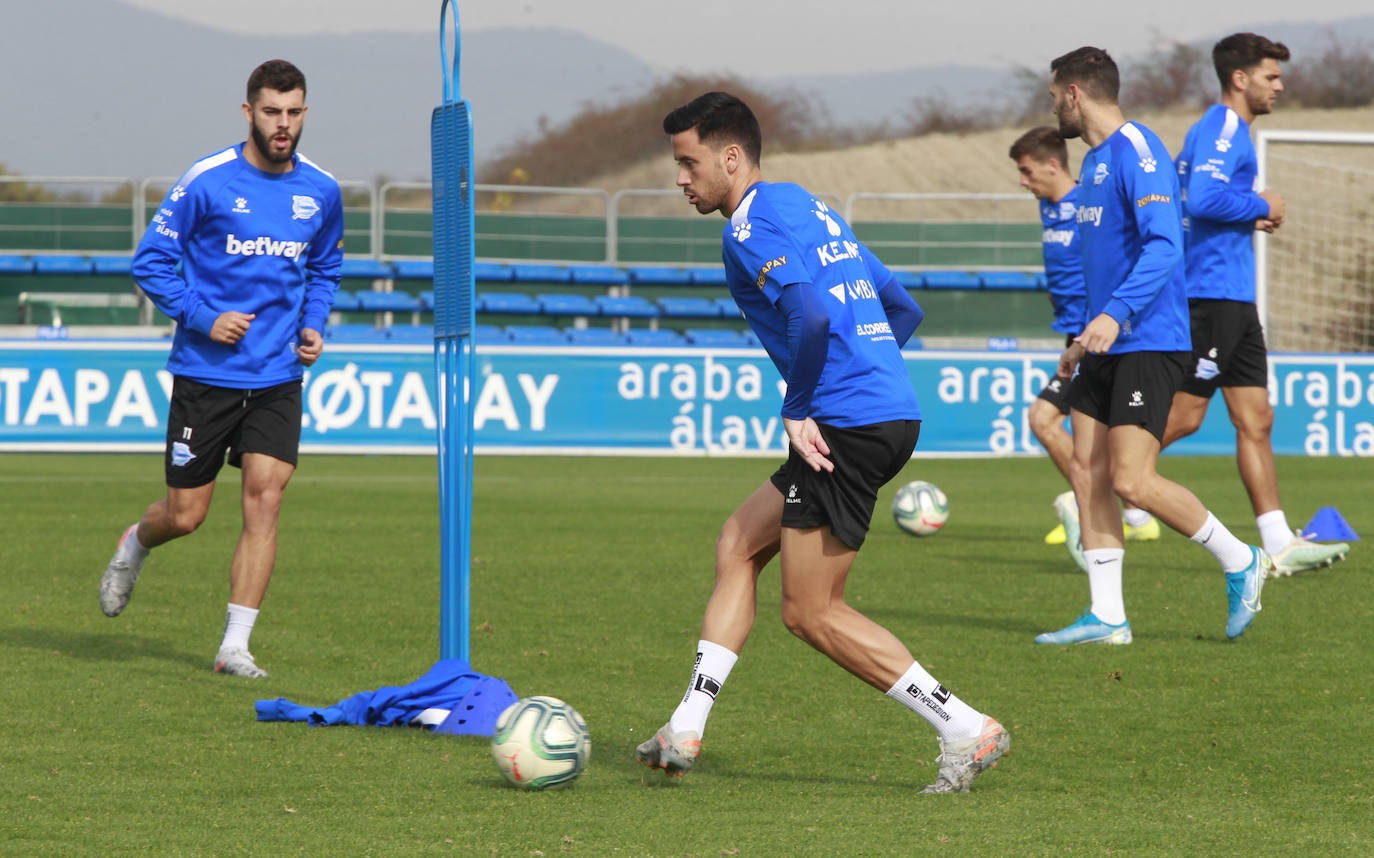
x=1315, y=275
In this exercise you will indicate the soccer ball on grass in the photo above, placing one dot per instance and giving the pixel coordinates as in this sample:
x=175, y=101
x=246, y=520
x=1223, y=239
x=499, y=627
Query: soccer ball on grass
x=540, y=743
x=920, y=508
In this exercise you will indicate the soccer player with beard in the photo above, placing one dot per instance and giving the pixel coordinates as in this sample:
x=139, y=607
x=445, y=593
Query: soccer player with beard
x=244, y=256
x=1218, y=170
x=833, y=320
x=1132, y=354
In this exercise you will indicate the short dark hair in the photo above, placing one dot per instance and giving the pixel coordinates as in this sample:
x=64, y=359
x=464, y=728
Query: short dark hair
x=719, y=117
x=1242, y=52
x=277, y=75
x=1041, y=143
x=1092, y=69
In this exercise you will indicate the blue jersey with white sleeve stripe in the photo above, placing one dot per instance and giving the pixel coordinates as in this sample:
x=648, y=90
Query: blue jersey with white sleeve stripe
x=781, y=236
x=1218, y=171
x=1130, y=225
x=229, y=236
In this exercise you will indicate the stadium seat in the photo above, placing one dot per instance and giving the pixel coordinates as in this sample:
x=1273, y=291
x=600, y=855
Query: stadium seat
x=426, y=300
x=492, y=272
x=716, y=337
x=1010, y=280
x=11, y=264
x=489, y=334
x=410, y=334
x=688, y=307
x=1041, y=281
x=113, y=264
x=626, y=306
x=606, y=275
x=951, y=280
x=728, y=308
x=595, y=337
x=654, y=337
x=566, y=304
x=355, y=333
x=346, y=301
x=536, y=335
x=909, y=279
x=62, y=264
x=708, y=276
x=414, y=269
x=381, y=302
x=365, y=268
x=528, y=272
x=507, y=304
x=654, y=275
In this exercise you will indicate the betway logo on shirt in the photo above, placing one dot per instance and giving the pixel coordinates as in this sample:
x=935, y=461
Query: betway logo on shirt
x=1058, y=236
x=1090, y=214
x=264, y=245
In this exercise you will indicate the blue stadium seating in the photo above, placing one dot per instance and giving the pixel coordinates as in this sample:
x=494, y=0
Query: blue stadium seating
x=728, y=308
x=536, y=335
x=365, y=268
x=688, y=307
x=113, y=264
x=414, y=269
x=626, y=306
x=507, y=303
x=716, y=337
x=427, y=300
x=62, y=264
x=607, y=275
x=654, y=275
x=595, y=337
x=355, y=332
x=708, y=276
x=410, y=334
x=654, y=337
x=909, y=279
x=489, y=334
x=380, y=302
x=1009, y=280
x=538, y=273
x=951, y=280
x=11, y=264
x=346, y=301
x=566, y=304
x=492, y=272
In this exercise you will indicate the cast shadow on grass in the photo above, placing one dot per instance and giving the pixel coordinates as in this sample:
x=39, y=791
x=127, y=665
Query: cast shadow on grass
x=90, y=646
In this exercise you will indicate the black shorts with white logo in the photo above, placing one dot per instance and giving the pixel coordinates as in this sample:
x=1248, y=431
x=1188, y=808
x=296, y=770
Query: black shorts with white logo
x=206, y=422
x=865, y=458
x=1228, y=347
x=1131, y=389
x=1056, y=390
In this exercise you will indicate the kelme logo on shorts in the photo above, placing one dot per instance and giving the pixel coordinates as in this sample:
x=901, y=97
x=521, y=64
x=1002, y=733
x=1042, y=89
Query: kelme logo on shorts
x=263, y=245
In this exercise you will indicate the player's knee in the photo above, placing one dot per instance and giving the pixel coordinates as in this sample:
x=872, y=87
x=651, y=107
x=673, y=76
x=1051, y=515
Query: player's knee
x=1256, y=425
x=185, y=521
x=802, y=622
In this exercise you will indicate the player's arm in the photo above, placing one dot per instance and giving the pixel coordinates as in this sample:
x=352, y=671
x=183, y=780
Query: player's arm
x=1219, y=179
x=323, y=263
x=158, y=257
x=904, y=315
x=808, y=341
x=1150, y=197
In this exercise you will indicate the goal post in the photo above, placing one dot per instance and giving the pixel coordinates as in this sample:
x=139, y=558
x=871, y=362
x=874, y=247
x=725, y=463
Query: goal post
x=1314, y=276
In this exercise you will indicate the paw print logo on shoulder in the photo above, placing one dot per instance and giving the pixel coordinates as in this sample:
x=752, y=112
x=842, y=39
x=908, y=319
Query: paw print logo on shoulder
x=822, y=212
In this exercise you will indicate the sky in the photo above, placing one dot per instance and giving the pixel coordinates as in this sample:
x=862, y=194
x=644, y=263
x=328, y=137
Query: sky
x=773, y=38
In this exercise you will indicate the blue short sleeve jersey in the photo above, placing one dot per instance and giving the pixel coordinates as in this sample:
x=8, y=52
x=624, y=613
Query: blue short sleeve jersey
x=229, y=236
x=1218, y=172
x=1064, y=263
x=1130, y=223
x=781, y=236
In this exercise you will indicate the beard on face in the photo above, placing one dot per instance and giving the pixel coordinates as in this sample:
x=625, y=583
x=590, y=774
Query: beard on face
x=264, y=144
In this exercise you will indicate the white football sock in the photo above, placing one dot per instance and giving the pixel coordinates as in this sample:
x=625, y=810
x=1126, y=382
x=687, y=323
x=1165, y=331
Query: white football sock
x=712, y=668
x=133, y=549
x=1135, y=517
x=1230, y=552
x=1104, y=582
x=238, y=626
x=951, y=717
x=1275, y=534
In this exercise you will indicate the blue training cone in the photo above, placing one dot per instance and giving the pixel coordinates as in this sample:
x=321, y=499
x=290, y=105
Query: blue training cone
x=1328, y=526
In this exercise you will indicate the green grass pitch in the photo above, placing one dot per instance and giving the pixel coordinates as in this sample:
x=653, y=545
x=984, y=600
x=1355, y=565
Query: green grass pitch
x=589, y=578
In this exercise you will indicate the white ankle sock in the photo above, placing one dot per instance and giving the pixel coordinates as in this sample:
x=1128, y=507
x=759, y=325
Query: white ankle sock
x=1135, y=517
x=133, y=549
x=1275, y=534
x=1104, y=582
x=238, y=626
x=951, y=717
x=713, y=665
x=1230, y=552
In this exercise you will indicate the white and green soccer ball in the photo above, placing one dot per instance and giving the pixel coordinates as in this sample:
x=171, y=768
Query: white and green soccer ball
x=920, y=508
x=540, y=743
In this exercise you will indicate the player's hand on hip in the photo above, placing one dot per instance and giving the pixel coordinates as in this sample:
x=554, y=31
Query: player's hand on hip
x=1099, y=335
x=230, y=327
x=805, y=437
x=309, y=346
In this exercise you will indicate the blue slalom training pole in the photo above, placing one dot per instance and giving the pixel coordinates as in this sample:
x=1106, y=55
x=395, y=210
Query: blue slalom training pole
x=454, y=253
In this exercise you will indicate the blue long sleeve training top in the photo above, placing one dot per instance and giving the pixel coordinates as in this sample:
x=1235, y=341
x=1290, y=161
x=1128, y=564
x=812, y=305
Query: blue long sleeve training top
x=1064, y=263
x=229, y=236
x=781, y=238
x=1130, y=224
x=1218, y=171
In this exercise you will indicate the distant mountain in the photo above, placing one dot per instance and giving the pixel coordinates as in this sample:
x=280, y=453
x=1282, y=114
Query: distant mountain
x=97, y=88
